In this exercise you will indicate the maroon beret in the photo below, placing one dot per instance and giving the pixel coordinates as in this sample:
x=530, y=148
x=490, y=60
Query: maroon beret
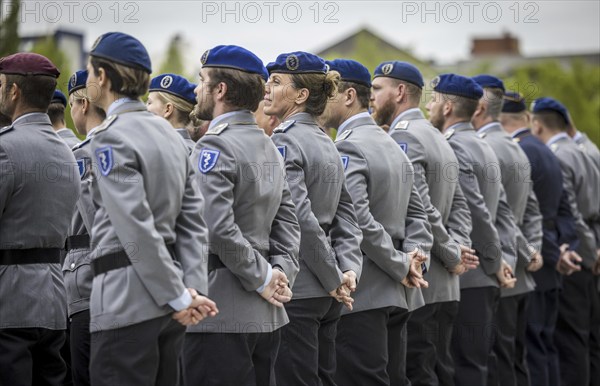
x=28, y=63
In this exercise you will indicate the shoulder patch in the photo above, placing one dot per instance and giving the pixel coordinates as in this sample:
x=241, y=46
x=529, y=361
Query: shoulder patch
x=6, y=129
x=282, y=150
x=345, y=161
x=554, y=147
x=106, y=123
x=403, y=146
x=449, y=133
x=208, y=160
x=481, y=135
x=218, y=129
x=343, y=136
x=84, y=165
x=402, y=125
x=283, y=126
x=105, y=159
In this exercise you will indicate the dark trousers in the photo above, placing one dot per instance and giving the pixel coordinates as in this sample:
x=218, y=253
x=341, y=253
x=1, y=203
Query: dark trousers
x=145, y=353
x=80, y=348
x=31, y=356
x=509, y=348
x=542, y=354
x=368, y=349
x=65, y=353
x=230, y=359
x=577, y=306
x=595, y=346
x=473, y=335
x=429, y=357
x=307, y=355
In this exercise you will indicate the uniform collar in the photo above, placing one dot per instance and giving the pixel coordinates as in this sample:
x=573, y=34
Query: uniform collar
x=234, y=117
x=410, y=114
x=521, y=131
x=558, y=137
x=578, y=136
x=460, y=126
x=116, y=105
x=65, y=131
x=184, y=133
x=492, y=126
x=303, y=118
x=356, y=120
x=32, y=118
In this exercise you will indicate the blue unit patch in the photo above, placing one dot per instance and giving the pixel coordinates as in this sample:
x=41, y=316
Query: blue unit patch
x=282, y=151
x=208, y=160
x=345, y=161
x=105, y=159
x=83, y=164
x=403, y=146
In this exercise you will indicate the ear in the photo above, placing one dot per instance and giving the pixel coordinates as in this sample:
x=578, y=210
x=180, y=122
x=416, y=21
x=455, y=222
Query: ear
x=447, y=108
x=481, y=107
x=221, y=91
x=85, y=106
x=302, y=96
x=349, y=97
x=14, y=91
x=168, y=110
x=400, y=92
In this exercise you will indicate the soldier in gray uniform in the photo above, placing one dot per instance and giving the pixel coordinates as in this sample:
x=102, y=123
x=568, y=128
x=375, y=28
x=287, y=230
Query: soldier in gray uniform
x=38, y=191
x=77, y=270
x=579, y=302
x=451, y=108
x=254, y=234
x=515, y=168
x=298, y=89
x=172, y=97
x=56, y=112
x=396, y=237
x=148, y=236
x=436, y=179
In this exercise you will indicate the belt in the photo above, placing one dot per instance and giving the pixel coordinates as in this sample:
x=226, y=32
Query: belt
x=30, y=256
x=214, y=262
x=77, y=242
x=117, y=260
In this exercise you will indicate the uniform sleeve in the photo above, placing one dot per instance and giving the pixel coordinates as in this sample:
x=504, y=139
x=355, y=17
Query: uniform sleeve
x=418, y=230
x=377, y=244
x=284, y=240
x=485, y=238
x=7, y=179
x=191, y=244
x=565, y=223
x=459, y=222
x=129, y=212
x=226, y=240
x=85, y=203
x=530, y=234
x=507, y=230
x=315, y=250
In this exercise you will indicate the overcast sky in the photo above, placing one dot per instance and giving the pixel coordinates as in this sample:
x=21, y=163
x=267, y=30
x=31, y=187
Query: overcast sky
x=439, y=30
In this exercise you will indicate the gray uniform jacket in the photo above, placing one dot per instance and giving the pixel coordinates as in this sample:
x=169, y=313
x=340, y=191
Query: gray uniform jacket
x=389, y=211
x=77, y=271
x=68, y=136
x=590, y=149
x=146, y=198
x=581, y=180
x=330, y=241
x=482, y=192
x=436, y=179
x=39, y=186
x=252, y=224
x=516, y=180
x=189, y=143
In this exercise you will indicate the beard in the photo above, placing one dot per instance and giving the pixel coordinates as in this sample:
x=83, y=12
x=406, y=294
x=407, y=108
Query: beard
x=204, y=110
x=437, y=120
x=383, y=114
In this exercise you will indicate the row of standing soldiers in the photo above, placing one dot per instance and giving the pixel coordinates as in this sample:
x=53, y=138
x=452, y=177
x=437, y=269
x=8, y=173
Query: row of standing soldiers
x=460, y=249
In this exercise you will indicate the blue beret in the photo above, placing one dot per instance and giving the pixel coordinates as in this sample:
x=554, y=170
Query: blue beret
x=235, y=57
x=123, y=49
x=59, y=97
x=513, y=103
x=77, y=81
x=28, y=63
x=351, y=71
x=549, y=104
x=489, y=81
x=175, y=85
x=400, y=70
x=459, y=85
x=298, y=63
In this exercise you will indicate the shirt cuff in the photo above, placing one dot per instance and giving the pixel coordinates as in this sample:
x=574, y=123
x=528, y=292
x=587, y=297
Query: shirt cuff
x=182, y=302
x=267, y=280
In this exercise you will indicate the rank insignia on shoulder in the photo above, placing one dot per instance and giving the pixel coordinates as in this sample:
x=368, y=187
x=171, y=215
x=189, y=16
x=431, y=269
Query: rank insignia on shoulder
x=345, y=161
x=554, y=147
x=106, y=123
x=403, y=146
x=343, y=135
x=481, y=135
x=84, y=166
x=5, y=129
x=282, y=128
x=282, y=150
x=516, y=139
x=582, y=148
x=81, y=144
x=105, y=159
x=449, y=133
x=208, y=160
x=218, y=129
x=402, y=125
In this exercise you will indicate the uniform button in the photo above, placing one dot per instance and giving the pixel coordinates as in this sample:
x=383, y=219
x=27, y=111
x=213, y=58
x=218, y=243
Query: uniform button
x=72, y=265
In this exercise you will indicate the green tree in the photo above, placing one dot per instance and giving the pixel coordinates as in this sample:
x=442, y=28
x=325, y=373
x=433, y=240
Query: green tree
x=173, y=61
x=9, y=23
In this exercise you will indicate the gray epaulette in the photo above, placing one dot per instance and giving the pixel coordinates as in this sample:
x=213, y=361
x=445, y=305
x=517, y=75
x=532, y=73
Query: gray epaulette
x=218, y=129
x=481, y=135
x=81, y=144
x=402, y=125
x=343, y=136
x=449, y=133
x=554, y=147
x=284, y=126
x=6, y=129
x=106, y=124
